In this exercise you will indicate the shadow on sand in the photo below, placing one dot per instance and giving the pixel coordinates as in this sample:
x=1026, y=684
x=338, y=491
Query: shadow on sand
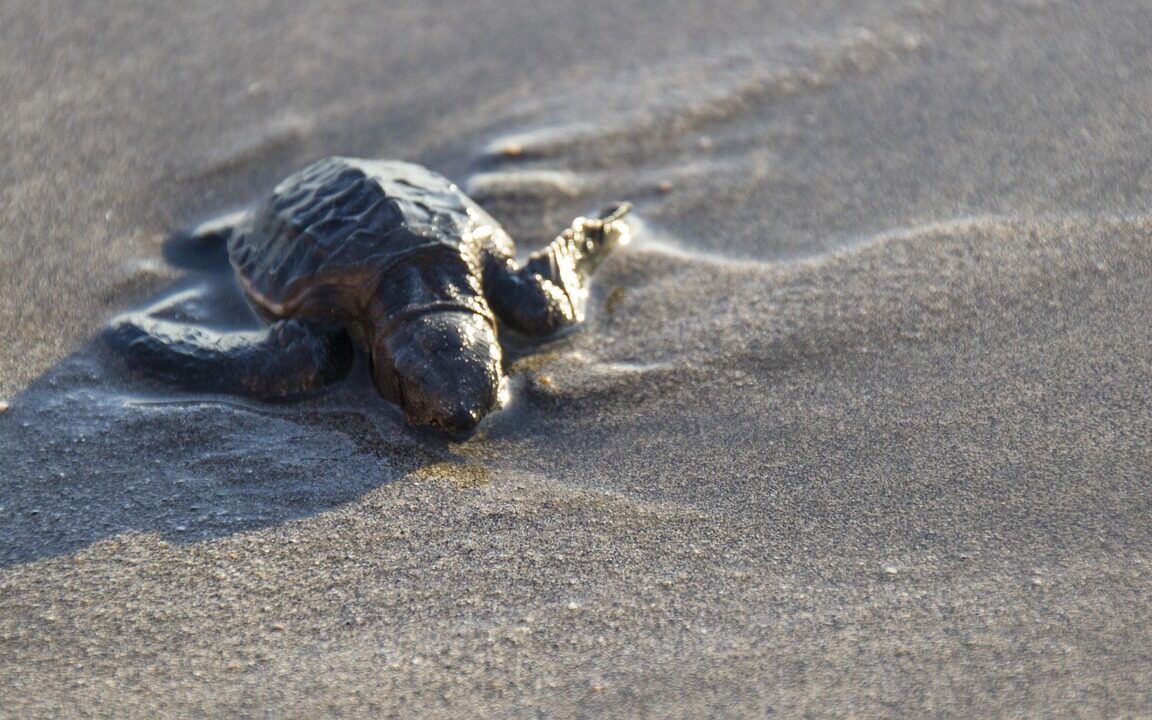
x=91, y=451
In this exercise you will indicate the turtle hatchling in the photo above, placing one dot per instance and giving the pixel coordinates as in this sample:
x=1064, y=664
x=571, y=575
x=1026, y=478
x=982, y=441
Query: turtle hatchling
x=392, y=257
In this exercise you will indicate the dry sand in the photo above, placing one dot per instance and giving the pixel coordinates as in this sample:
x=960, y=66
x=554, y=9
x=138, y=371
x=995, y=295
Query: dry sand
x=859, y=426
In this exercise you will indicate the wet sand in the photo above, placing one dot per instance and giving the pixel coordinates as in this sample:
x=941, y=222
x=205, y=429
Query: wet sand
x=858, y=426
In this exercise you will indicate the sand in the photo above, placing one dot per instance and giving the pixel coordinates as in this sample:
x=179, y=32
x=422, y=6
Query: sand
x=858, y=426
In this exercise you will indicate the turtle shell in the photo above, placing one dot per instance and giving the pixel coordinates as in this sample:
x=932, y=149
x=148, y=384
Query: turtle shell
x=330, y=234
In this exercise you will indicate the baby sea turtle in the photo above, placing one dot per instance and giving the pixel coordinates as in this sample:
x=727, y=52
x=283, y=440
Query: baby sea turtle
x=388, y=255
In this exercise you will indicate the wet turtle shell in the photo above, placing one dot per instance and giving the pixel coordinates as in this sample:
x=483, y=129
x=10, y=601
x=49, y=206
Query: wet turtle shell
x=326, y=236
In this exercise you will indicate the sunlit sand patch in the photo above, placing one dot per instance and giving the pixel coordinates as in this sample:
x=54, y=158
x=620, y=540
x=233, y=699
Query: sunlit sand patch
x=525, y=182
x=461, y=476
x=252, y=143
x=724, y=88
x=653, y=240
x=540, y=142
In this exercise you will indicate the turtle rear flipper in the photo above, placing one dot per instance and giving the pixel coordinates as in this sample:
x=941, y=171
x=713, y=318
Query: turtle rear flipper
x=288, y=359
x=205, y=246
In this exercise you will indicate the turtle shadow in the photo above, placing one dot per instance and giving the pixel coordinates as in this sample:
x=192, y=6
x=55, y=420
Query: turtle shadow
x=92, y=450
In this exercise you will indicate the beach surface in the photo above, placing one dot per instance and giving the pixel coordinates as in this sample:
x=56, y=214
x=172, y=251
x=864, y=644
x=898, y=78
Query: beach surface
x=860, y=424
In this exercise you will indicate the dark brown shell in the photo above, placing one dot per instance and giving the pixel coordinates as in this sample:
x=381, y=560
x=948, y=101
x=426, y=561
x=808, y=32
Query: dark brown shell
x=328, y=233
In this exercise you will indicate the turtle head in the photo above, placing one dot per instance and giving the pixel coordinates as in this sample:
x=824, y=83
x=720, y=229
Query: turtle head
x=443, y=369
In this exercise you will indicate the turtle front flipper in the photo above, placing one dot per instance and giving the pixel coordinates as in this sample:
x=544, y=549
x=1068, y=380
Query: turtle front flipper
x=287, y=359
x=547, y=294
